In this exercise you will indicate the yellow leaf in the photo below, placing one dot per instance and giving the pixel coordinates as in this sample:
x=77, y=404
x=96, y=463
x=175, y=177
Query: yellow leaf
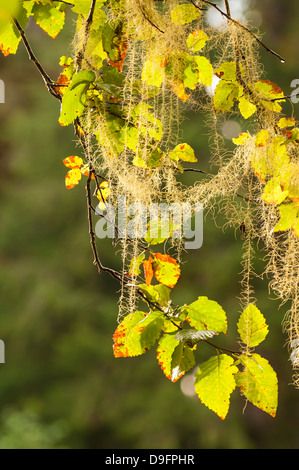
x=72, y=178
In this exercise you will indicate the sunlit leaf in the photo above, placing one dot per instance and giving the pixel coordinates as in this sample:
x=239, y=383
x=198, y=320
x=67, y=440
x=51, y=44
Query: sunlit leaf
x=166, y=269
x=273, y=192
x=73, y=101
x=214, y=383
x=226, y=94
x=247, y=109
x=197, y=40
x=9, y=39
x=227, y=71
x=72, y=178
x=289, y=216
x=158, y=293
x=148, y=270
x=137, y=333
x=73, y=162
x=206, y=314
x=268, y=92
x=134, y=268
x=184, y=13
x=174, y=357
x=258, y=382
x=241, y=139
x=103, y=194
x=49, y=17
x=286, y=122
x=153, y=72
x=183, y=152
x=252, y=326
x=179, y=90
x=8, y=10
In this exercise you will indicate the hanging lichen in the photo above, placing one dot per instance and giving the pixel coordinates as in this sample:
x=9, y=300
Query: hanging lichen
x=137, y=65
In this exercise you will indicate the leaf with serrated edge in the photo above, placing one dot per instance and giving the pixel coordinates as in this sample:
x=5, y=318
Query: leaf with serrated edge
x=258, y=382
x=252, y=326
x=214, y=383
x=205, y=314
x=137, y=333
x=174, y=357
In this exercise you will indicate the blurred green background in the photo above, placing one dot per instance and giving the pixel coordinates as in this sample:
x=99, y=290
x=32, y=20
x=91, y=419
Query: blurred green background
x=61, y=386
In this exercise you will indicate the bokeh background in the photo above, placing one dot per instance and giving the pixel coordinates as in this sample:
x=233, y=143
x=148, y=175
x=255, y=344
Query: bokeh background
x=61, y=386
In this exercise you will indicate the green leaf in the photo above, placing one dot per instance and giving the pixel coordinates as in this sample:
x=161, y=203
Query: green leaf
x=82, y=7
x=205, y=314
x=7, y=11
x=247, y=109
x=137, y=333
x=227, y=71
x=166, y=269
x=183, y=152
x=146, y=122
x=49, y=17
x=289, y=216
x=184, y=13
x=73, y=100
x=226, y=93
x=159, y=293
x=286, y=122
x=214, y=383
x=174, y=357
x=197, y=40
x=9, y=39
x=199, y=70
x=136, y=261
x=258, y=382
x=153, y=72
x=204, y=70
x=270, y=155
x=269, y=91
x=252, y=326
x=273, y=192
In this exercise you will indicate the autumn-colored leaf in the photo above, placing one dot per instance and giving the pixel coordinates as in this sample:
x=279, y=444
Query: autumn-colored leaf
x=179, y=90
x=73, y=162
x=103, y=193
x=174, y=357
x=72, y=178
x=148, y=270
x=122, y=48
x=241, y=139
x=166, y=269
x=137, y=333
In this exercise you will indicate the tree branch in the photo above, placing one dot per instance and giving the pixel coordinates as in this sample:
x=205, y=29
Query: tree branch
x=50, y=84
x=240, y=25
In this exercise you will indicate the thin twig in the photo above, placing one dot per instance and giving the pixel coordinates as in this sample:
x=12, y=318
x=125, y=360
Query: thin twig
x=194, y=169
x=81, y=53
x=237, y=23
x=50, y=84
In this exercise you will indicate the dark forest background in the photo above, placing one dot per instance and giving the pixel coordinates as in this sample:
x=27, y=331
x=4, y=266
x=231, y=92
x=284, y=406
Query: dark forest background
x=61, y=386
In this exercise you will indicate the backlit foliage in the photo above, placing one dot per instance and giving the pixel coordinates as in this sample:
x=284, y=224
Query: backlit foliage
x=136, y=65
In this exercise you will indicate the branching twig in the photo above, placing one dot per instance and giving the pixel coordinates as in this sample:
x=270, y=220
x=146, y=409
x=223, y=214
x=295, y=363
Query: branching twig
x=237, y=23
x=50, y=84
